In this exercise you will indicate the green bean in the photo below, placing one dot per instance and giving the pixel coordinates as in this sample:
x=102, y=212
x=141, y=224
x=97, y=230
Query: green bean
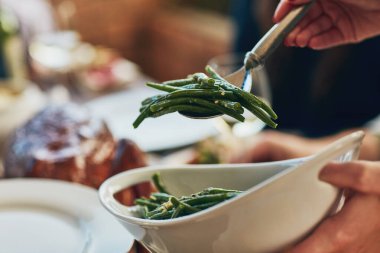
x=251, y=100
x=183, y=93
x=202, y=78
x=236, y=106
x=185, y=206
x=155, y=211
x=202, y=86
x=211, y=94
x=241, y=93
x=162, y=205
x=164, y=87
x=259, y=113
x=168, y=102
x=147, y=203
x=213, y=73
x=152, y=99
x=142, y=108
x=203, y=95
x=162, y=210
x=160, y=197
x=174, y=103
x=191, y=86
x=165, y=214
x=249, y=97
x=214, y=94
x=145, y=211
x=177, y=212
x=197, y=200
x=143, y=115
x=263, y=105
x=184, y=108
x=218, y=108
x=179, y=82
x=158, y=183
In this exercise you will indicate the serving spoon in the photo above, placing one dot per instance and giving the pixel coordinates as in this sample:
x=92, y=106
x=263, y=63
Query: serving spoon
x=254, y=59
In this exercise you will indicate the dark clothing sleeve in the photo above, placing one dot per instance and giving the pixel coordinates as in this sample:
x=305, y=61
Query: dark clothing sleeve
x=316, y=93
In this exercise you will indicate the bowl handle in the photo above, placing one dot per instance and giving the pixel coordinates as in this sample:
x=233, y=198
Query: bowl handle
x=341, y=146
x=117, y=183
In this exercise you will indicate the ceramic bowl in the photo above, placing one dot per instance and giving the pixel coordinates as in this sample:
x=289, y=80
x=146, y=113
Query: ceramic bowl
x=282, y=203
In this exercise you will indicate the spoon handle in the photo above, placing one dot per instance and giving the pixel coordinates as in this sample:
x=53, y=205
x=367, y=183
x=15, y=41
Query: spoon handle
x=275, y=36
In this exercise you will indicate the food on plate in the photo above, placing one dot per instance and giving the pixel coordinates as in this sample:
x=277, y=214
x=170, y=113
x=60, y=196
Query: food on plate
x=162, y=205
x=108, y=71
x=213, y=150
x=66, y=142
x=204, y=95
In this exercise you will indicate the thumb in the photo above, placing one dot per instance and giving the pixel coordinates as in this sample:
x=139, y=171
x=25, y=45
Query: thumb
x=362, y=176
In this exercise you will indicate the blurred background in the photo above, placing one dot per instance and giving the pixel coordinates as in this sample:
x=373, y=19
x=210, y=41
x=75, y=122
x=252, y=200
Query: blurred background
x=84, y=50
x=78, y=50
x=99, y=53
x=151, y=33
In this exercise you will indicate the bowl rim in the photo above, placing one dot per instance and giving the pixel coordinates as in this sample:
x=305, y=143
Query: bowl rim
x=341, y=146
x=198, y=215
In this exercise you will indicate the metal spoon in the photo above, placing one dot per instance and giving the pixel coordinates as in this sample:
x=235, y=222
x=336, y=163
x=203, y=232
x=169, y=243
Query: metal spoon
x=255, y=58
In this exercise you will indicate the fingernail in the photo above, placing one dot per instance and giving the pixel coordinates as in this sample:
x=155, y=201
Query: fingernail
x=326, y=171
x=301, y=41
x=276, y=18
x=275, y=15
x=323, y=174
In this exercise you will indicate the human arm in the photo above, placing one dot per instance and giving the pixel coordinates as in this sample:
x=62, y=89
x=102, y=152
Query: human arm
x=331, y=23
x=275, y=146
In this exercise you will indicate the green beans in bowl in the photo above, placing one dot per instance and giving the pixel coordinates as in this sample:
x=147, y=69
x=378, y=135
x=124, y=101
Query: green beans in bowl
x=162, y=205
x=280, y=203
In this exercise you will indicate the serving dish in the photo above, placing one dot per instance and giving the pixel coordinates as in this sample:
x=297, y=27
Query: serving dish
x=45, y=216
x=282, y=203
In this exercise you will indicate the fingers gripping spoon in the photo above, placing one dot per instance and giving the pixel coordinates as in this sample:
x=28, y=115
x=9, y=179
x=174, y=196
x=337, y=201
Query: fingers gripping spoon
x=254, y=59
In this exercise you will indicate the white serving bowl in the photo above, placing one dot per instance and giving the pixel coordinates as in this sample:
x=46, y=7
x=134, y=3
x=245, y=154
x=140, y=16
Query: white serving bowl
x=282, y=203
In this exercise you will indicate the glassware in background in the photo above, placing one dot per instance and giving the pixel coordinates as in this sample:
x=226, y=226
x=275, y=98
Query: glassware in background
x=19, y=99
x=12, y=54
x=85, y=70
x=228, y=63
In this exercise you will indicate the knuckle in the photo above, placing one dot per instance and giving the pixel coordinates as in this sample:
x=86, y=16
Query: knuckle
x=269, y=134
x=343, y=238
x=268, y=138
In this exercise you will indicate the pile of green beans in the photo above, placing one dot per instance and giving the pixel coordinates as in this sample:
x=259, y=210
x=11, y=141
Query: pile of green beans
x=162, y=205
x=204, y=95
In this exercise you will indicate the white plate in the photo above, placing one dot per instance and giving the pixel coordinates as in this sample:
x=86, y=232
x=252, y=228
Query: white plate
x=166, y=132
x=45, y=216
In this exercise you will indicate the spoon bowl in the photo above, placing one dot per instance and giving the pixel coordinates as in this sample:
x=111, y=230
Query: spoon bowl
x=282, y=202
x=254, y=60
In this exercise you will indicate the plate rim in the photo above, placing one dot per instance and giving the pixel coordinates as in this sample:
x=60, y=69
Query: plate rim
x=98, y=212
x=93, y=104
